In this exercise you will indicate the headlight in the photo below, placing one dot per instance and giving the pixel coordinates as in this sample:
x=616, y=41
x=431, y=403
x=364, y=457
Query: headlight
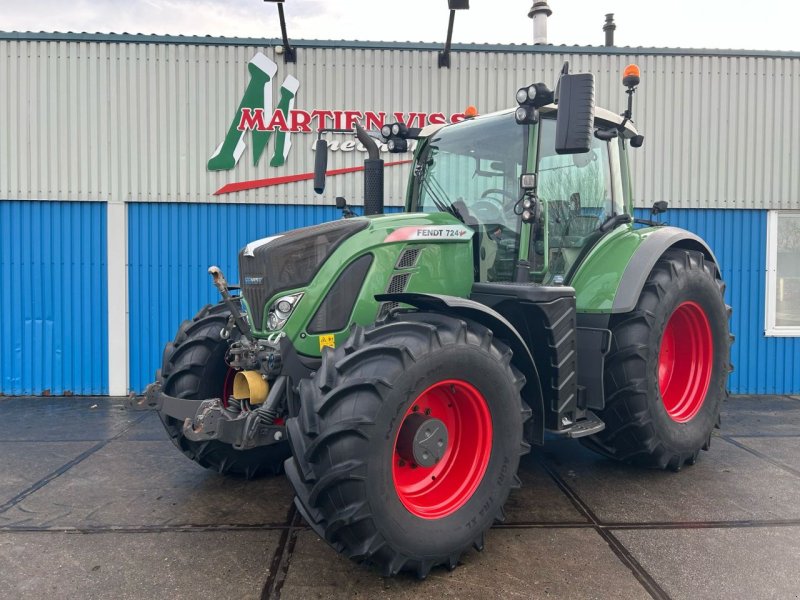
x=522, y=96
x=386, y=131
x=281, y=310
x=531, y=93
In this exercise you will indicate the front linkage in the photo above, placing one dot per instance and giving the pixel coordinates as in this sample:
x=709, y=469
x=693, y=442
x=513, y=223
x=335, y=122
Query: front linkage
x=214, y=419
x=245, y=418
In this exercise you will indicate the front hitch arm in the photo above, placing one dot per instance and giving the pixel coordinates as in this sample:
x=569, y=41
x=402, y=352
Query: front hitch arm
x=209, y=419
x=155, y=399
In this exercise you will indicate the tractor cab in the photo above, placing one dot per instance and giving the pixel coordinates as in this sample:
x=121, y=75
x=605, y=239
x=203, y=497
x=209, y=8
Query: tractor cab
x=473, y=171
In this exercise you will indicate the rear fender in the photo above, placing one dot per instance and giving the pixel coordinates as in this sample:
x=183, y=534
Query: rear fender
x=503, y=330
x=610, y=278
x=645, y=258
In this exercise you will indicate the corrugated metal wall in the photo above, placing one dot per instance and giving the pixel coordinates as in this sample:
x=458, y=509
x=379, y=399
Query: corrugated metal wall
x=134, y=119
x=171, y=247
x=763, y=365
x=53, y=335
x=94, y=119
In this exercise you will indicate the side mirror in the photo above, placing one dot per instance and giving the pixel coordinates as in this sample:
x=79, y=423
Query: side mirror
x=575, y=119
x=320, y=165
x=659, y=207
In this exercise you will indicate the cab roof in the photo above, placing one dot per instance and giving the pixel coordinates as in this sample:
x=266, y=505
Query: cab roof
x=599, y=113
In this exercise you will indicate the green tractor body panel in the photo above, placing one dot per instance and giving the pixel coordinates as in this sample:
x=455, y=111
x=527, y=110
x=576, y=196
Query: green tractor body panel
x=597, y=278
x=442, y=265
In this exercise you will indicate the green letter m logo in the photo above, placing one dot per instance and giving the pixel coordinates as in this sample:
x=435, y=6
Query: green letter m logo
x=255, y=107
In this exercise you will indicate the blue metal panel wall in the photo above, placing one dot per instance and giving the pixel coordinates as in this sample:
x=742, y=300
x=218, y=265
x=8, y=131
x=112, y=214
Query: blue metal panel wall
x=53, y=334
x=171, y=245
x=763, y=365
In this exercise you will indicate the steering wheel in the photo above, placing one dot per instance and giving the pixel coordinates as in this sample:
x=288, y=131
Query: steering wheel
x=488, y=211
x=508, y=195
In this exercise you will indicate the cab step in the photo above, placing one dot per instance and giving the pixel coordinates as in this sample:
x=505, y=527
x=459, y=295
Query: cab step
x=587, y=426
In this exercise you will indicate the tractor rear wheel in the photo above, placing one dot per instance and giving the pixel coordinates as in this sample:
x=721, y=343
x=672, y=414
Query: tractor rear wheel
x=408, y=441
x=193, y=367
x=667, y=370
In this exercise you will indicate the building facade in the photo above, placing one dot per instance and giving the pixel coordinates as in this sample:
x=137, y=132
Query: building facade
x=124, y=174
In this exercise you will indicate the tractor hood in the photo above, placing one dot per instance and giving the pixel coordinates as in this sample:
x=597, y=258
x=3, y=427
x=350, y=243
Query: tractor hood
x=335, y=270
x=287, y=261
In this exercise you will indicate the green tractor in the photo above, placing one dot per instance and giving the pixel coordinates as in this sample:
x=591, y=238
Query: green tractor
x=397, y=366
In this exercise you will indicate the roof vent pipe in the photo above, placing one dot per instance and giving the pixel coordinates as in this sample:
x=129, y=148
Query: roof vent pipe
x=609, y=28
x=539, y=13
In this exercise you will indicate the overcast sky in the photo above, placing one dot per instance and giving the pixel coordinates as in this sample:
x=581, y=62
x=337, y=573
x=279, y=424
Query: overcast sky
x=762, y=25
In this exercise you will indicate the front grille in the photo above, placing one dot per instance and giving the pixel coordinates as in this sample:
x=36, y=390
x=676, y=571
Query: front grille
x=289, y=262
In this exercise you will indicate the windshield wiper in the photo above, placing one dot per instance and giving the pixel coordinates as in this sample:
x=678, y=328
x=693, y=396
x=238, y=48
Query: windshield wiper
x=441, y=205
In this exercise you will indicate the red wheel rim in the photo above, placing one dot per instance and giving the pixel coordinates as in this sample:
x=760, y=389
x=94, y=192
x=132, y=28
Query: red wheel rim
x=440, y=490
x=685, y=361
x=227, y=386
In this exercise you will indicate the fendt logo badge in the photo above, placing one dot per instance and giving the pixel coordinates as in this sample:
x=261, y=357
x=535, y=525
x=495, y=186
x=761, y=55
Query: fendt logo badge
x=265, y=122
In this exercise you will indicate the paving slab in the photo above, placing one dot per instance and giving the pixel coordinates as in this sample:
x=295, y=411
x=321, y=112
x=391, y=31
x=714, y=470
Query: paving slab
x=143, y=565
x=726, y=484
x=517, y=563
x=760, y=415
x=782, y=450
x=25, y=463
x=63, y=419
x=539, y=500
x=149, y=483
x=720, y=563
x=149, y=429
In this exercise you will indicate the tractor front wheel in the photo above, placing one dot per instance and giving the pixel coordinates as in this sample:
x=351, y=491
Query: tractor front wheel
x=193, y=367
x=408, y=441
x=667, y=370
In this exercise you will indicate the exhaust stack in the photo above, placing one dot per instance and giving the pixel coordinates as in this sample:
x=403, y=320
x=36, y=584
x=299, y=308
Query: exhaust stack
x=373, y=174
x=609, y=28
x=539, y=13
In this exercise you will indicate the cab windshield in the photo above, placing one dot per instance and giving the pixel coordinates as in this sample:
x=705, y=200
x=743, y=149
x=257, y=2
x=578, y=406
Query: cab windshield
x=472, y=171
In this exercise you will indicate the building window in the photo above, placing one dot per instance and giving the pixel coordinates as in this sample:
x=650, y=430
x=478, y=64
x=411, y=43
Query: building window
x=783, y=273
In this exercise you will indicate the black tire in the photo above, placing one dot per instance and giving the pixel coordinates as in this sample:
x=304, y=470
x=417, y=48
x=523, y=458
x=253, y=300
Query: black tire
x=639, y=428
x=193, y=367
x=343, y=440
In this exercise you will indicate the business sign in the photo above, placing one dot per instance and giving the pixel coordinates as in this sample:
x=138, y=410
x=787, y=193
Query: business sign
x=269, y=117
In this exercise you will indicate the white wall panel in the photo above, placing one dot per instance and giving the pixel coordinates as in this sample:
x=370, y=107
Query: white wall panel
x=135, y=118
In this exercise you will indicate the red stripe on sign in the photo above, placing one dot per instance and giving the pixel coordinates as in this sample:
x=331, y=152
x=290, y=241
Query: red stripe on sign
x=241, y=186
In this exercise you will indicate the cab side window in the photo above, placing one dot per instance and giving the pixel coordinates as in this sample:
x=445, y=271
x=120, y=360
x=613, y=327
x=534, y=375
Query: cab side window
x=576, y=190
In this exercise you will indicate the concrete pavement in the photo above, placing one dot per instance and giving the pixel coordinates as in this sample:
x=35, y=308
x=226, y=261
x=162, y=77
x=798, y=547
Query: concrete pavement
x=95, y=502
